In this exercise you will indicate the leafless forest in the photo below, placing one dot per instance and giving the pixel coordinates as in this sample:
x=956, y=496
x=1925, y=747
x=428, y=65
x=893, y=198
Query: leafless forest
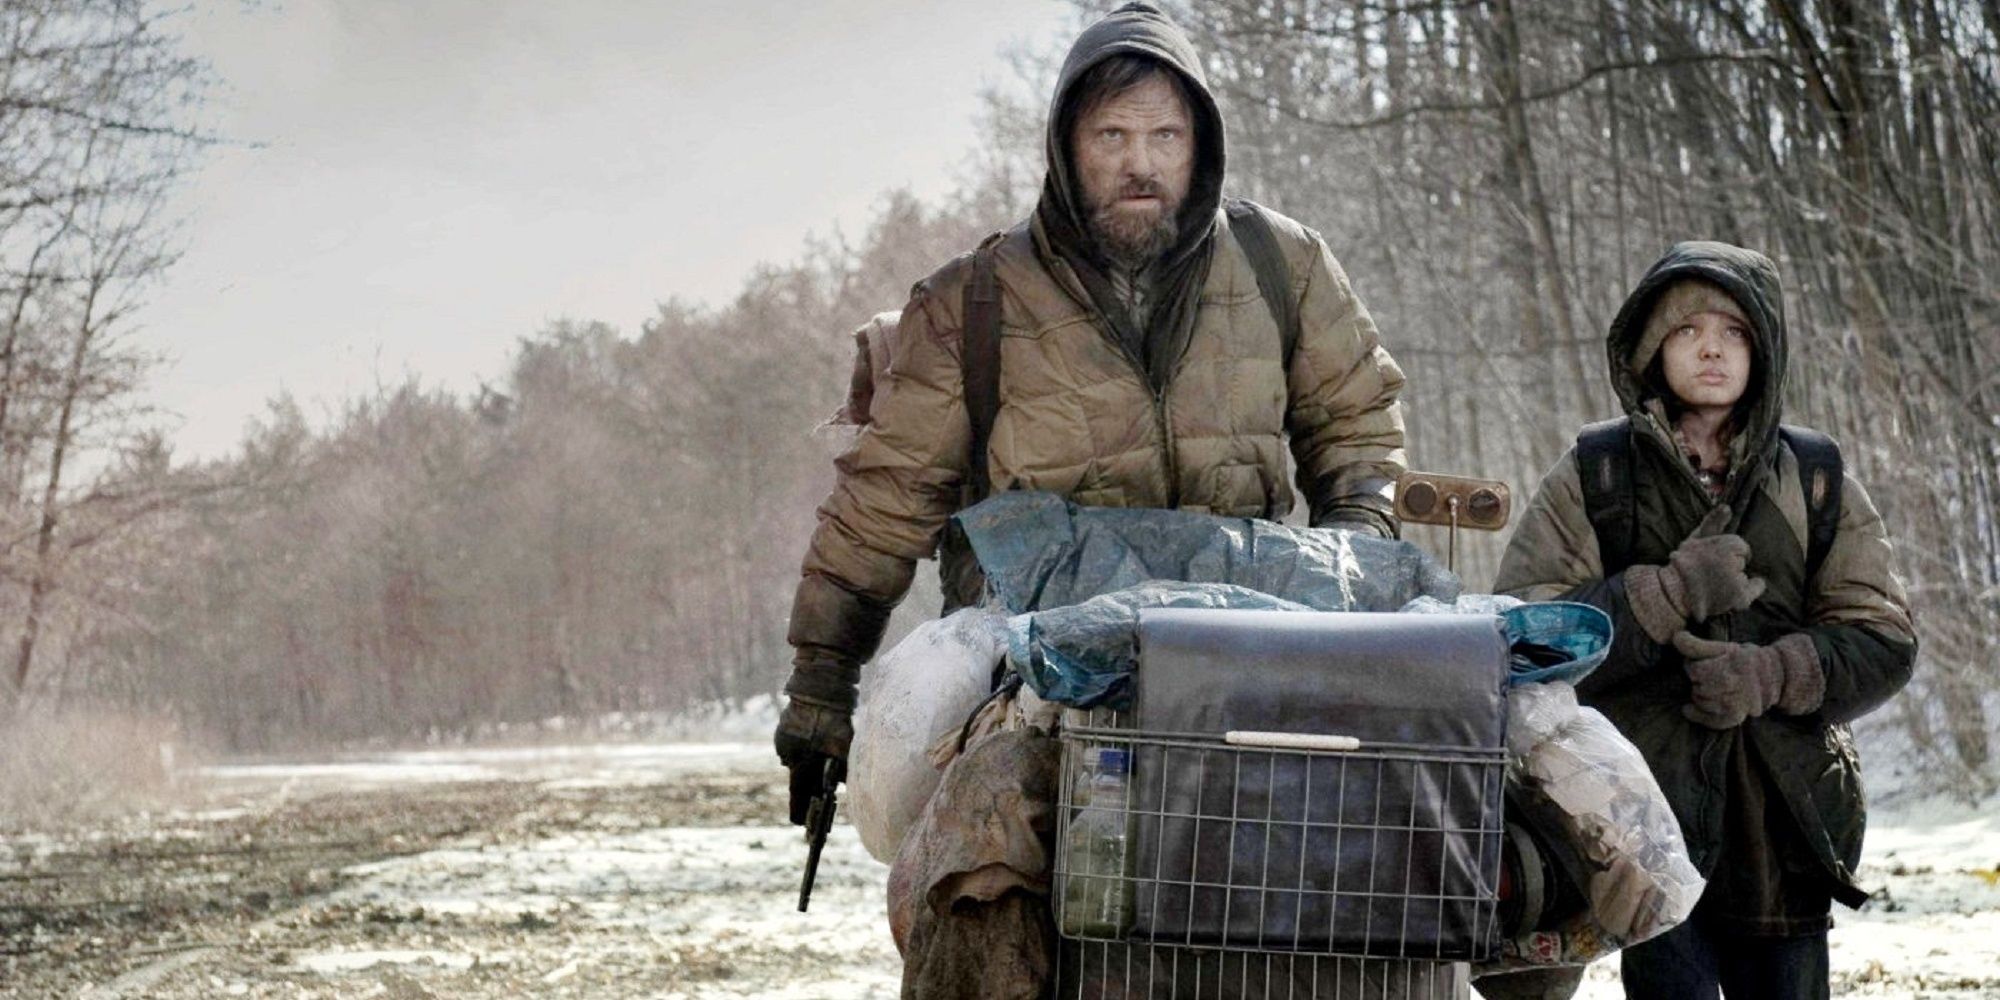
x=615, y=525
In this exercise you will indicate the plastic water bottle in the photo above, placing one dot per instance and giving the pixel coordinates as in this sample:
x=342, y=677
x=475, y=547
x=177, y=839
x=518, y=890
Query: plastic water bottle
x=1097, y=898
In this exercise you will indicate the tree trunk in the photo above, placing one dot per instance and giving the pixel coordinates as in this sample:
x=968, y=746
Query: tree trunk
x=42, y=577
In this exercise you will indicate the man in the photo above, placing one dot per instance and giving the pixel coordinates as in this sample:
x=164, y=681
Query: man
x=1756, y=616
x=1139, y=367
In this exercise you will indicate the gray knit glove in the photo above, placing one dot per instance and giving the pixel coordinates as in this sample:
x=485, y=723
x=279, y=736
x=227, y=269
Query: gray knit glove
x=1703, y=578
x=1735, y=681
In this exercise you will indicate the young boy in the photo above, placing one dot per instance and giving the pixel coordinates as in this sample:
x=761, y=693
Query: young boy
x=1756, y=615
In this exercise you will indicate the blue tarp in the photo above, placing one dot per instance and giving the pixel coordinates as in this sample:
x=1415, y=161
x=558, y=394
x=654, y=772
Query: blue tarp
x=1076, y=577
x=1040, y=551
x=1551, y=640
x=1084, y=654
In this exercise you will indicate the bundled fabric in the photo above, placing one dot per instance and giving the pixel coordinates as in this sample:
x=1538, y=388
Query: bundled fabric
x=968, y=891
x=1586, y=781
x=1084, y=656
x=1546, y=640
x=1040, y=552
x=916, y=692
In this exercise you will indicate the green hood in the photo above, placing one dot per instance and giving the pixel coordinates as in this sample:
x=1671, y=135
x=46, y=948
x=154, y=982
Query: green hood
x=1752, y=280
x=1136, y=29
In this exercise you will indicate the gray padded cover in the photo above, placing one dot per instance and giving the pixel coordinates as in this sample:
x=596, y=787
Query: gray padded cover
x=1348, y=853
x=1437, y=679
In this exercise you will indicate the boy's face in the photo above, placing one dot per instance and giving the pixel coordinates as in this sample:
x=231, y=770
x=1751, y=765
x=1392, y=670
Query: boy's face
x=1707, y=360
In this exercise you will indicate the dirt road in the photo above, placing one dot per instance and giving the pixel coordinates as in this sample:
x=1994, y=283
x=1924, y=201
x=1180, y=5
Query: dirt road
x=643, y=871
x=411, y=879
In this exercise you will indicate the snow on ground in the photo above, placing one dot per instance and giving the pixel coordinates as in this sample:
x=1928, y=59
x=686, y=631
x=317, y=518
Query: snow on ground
x=726, y=895
x=587, y=764
x=625, y=892
x=1933, y=929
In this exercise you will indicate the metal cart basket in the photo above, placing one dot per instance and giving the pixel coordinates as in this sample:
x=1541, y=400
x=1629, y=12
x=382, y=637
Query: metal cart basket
x=1209, y=860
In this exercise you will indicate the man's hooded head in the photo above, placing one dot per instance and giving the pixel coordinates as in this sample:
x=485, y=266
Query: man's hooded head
x=1126, y=198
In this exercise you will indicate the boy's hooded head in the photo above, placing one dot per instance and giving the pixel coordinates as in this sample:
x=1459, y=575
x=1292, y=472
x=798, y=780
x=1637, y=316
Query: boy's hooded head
x=1749, y=287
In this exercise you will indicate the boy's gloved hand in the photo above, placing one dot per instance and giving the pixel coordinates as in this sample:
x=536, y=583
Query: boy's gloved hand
x=1703, y=578
x=1734, y=681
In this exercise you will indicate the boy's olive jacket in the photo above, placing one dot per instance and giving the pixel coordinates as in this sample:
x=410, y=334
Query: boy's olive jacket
x=1854, y=609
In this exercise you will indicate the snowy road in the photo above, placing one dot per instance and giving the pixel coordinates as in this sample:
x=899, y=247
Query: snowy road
x=637, y=871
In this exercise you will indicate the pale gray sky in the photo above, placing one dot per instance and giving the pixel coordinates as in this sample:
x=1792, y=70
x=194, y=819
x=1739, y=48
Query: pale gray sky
x=438, y=178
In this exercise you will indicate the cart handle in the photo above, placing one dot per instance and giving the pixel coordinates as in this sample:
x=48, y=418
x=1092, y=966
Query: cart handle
x=1290, y=741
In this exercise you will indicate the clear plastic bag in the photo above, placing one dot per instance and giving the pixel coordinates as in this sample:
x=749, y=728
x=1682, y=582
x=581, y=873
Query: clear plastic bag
x=1584, y=778
x=910, y=696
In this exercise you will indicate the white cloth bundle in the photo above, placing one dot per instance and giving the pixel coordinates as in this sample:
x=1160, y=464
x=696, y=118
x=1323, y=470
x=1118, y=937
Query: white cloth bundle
x=910, y=697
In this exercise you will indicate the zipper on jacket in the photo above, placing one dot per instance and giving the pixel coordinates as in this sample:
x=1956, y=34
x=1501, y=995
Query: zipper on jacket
x=1166, y=446
x=1170, y=462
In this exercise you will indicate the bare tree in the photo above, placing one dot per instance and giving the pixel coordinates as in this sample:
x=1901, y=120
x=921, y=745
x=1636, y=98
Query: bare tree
x=1557, y=146
x=94, y=132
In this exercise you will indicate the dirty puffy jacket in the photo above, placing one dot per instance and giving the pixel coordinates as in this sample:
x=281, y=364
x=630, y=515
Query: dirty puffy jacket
x=1772, y=810
x=1205, y=427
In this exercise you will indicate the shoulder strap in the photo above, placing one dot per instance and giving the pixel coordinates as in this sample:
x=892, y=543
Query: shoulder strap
x=1274, y=280
x=1604, y=467
x=979, y=363
x=1821, y=473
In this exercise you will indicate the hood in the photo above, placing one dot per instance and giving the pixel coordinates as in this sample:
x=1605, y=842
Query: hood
x=1134, y=29
x=1752, y=280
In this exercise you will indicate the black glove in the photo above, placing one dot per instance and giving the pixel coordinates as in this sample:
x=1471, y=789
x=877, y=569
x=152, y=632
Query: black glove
x=833, y=631
x=1359, y=519
x=808, y=736
x=809, y=780
x=1703, y=578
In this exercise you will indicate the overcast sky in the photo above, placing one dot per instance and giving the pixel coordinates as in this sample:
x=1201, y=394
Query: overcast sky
x=436, y=179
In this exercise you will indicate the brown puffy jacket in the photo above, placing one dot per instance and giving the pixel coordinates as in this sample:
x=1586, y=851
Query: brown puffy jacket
x=1078, y=417
x=1200, y=422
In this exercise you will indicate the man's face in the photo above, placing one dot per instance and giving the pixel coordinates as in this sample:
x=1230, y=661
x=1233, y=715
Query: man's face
x=1134, y=160
x=1707, y=360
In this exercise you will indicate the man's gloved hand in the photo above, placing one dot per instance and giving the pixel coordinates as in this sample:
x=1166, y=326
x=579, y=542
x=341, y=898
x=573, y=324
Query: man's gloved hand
x=809, y=734
x=1703, y=578
x=833, y=631
x=1359, y=519
x=1734, y=681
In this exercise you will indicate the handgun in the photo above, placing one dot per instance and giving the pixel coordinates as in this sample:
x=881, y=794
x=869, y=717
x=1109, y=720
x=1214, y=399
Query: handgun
x=819, y=820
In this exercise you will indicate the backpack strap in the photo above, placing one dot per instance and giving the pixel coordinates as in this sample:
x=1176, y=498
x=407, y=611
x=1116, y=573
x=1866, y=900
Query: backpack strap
x=979, y=363
x=1253, y=231
x=1821, y=473
x=1604, y=467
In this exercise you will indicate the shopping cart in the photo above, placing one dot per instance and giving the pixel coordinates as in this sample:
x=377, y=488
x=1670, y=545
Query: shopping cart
x=1204, y=860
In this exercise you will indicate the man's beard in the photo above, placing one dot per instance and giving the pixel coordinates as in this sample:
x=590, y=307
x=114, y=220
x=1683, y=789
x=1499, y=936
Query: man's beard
x=1131, y=239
